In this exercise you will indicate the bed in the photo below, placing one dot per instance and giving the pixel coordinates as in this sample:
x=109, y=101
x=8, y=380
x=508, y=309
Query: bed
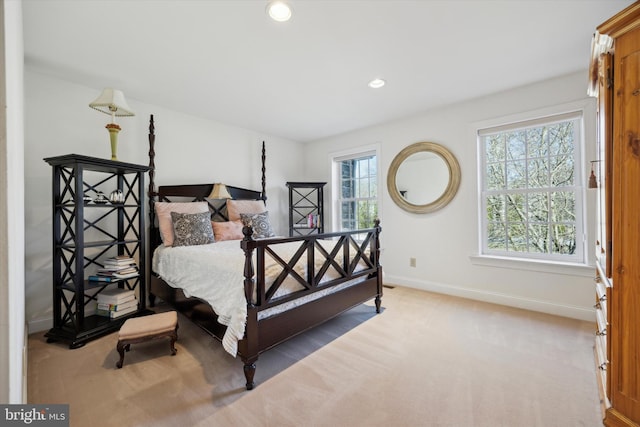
x=250, y=291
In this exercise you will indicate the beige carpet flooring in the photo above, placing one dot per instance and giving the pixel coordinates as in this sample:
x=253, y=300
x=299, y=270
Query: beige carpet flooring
x=426, y=360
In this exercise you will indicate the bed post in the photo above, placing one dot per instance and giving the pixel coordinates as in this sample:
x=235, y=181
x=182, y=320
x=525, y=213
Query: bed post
x=249, y=281
x=264, y=170
x=250, y=353
x=376, y=252
x=151, y=194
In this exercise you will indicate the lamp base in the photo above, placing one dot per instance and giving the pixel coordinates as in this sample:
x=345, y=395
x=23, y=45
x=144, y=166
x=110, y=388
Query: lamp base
x=113, y=136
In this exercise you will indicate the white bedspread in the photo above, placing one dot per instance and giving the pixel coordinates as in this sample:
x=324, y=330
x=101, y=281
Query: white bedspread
x=219, y=283
x=214, y=273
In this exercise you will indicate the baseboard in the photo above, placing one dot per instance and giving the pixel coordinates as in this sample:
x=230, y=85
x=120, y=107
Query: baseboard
x=43, y=325
x=574, y=312
x=40, y=325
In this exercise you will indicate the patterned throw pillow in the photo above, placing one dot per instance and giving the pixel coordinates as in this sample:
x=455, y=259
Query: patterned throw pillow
x=192, y=229
x=260, y=223
x=164, y=209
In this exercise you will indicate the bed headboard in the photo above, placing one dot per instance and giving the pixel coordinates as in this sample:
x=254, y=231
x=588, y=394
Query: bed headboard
x=194, y=192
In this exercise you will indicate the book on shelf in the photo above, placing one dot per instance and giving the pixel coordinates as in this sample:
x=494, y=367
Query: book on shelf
x=128, y=270
x=114, y=277
x=117, y=268
x=101, y=278
x=104, y=272
x=106, y=310
x=117, y=307
x=313, y=221
x=115, y=296
x=118, y=313
x=118, y=261
x=108, y=269
x=125, y=300
x=107, y=272
x=125, y=276
x=113, y=267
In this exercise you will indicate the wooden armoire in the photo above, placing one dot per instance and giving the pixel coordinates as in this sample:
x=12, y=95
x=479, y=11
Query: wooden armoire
x=615, y=80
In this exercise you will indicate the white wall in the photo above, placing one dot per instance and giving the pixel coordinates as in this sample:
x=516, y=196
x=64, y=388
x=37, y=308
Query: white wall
x=194, y=150
x=12, y=325
x=188, y=150
x=443, y=242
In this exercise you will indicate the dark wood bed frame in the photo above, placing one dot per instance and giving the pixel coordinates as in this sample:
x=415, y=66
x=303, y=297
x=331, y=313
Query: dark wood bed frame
x=260, y=335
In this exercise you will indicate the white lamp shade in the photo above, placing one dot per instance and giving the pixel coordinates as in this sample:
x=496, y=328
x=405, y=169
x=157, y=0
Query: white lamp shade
x=219, y=191
x=111, y=101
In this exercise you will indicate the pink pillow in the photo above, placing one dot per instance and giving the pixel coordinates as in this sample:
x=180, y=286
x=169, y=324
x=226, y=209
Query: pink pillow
x=229, y=230
x=164, y=209
x=236, y=207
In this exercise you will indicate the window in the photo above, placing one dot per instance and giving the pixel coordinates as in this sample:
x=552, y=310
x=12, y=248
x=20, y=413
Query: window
x=531, y=189
x=356, y=201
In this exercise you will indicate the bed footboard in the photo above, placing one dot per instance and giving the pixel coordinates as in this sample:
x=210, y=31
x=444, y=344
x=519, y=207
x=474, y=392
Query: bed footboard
x=341, y=270
x=352, y=256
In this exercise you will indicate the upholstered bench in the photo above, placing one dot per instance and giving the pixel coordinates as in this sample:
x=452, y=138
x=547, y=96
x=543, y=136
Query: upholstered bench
x=145, y=328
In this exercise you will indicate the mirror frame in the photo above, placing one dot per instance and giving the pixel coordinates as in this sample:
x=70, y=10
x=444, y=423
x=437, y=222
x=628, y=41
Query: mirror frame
x=449, y=192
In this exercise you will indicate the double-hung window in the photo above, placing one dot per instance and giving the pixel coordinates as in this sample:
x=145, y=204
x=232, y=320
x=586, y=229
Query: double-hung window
x=356, y=200
x=531, y=189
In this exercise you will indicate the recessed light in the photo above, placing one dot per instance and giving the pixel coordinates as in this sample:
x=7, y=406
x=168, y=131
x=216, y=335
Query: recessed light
x=376, y=83
x=279, y=11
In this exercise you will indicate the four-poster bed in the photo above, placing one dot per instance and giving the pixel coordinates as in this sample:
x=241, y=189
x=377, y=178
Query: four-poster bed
x=286, y=285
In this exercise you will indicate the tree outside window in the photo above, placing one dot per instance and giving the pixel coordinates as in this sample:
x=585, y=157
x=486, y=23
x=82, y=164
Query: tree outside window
x=531, y=189
x=358, y=198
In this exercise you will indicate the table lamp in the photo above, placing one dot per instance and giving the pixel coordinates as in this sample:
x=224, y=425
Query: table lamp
x=111, y=101
x=219, y=191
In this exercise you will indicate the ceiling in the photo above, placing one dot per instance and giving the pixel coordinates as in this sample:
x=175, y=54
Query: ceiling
x=306, y=79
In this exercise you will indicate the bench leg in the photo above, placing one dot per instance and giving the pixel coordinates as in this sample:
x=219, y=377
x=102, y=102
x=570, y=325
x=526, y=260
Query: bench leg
x=122, y=347
x=172, y=341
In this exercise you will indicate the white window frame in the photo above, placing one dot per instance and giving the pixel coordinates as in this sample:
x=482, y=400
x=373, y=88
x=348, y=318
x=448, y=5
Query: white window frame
x=336, y=199
x=529, y=120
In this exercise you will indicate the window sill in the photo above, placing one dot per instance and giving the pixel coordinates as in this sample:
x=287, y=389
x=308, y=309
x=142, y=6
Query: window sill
x=543, y=266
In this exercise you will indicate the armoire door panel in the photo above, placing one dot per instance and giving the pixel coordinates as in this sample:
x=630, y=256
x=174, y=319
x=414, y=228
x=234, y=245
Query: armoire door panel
x=625, y=339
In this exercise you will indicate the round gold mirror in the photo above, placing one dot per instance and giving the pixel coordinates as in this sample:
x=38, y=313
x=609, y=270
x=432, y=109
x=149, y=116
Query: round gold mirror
x=423, y=177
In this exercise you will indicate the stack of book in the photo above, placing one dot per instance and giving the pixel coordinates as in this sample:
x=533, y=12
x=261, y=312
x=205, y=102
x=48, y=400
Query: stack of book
x=313, y=221
x=116, y=302
x=116, y=268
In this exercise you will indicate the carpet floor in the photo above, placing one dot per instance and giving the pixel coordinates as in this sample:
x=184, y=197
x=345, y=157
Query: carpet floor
x=426, y=360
